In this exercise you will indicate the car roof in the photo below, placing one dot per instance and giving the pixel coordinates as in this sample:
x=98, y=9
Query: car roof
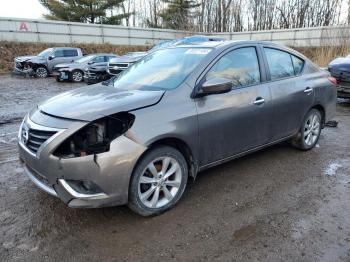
x=65, y=47
x=97, y=54
x=214, y=44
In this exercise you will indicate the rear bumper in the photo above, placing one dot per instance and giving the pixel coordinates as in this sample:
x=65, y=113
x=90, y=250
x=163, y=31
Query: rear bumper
x=61, y=74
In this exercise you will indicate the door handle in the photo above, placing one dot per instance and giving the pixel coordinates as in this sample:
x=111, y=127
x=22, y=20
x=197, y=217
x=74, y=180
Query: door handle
x=259, y=101
x=308, y=90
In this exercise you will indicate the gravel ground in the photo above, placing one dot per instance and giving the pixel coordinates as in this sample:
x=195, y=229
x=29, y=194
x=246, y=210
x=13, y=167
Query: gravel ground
x=278, y=204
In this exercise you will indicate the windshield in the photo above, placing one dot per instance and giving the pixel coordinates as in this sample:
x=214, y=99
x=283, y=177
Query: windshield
x=161, y=70
x=84, y=59
x=46, y=52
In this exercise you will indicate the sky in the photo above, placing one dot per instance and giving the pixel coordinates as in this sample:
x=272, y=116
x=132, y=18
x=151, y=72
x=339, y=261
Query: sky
x=22, y=9
x=33, y=9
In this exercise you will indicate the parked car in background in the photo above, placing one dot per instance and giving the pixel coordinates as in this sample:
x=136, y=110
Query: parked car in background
x=188, y=40
x=137, y=140
x=340, y=69
x=41, y=65
x=96, y=73
x=119, y=64
x=74, y=71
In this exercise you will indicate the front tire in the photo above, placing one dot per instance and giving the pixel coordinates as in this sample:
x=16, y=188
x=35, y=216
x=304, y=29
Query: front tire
x=309, y=132
x=158, y=181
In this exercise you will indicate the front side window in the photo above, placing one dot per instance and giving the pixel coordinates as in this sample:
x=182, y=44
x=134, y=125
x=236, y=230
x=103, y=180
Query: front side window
x=84, y=59
x=45, y=53
x=59, y=53
x=240, y=65
x=164, y=69
x=280, y=63
x=99, y=59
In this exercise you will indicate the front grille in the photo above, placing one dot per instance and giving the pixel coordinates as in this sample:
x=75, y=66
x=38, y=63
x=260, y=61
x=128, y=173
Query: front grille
x=121, y=65
x=35, y=138
x=116, y=68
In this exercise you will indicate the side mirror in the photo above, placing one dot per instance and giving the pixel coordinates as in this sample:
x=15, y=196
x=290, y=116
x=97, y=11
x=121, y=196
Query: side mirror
x=51, y=57
x=91, y=62
x=217, y=85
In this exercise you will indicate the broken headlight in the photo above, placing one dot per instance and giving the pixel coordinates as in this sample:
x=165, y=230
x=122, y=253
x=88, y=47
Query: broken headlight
x=95, y=137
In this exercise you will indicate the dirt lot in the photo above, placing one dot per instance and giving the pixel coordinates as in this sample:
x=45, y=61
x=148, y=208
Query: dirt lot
x=278, y=204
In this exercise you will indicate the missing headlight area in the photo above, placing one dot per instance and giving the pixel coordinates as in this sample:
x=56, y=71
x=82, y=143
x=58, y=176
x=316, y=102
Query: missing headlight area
x=95, y=137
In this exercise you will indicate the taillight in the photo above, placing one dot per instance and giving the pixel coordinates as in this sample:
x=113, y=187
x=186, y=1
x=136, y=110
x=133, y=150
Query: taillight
x=332, y=80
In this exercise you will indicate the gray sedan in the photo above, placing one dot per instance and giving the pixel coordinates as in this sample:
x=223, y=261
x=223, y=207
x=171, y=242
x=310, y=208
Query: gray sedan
x=74, y=71
x=172, y=114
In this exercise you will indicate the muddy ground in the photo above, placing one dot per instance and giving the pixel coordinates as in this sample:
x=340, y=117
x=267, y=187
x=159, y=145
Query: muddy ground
x=278, y=204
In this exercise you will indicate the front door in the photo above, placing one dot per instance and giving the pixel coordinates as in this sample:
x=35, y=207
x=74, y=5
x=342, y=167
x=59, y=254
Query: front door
x=234, y=122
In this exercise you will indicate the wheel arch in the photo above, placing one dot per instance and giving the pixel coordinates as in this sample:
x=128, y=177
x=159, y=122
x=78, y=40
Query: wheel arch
x=322, y=110
x=36, y=65
x=75, y=70
x=180, y=145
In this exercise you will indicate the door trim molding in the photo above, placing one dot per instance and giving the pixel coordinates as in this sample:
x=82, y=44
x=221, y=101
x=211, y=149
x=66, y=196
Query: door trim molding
x=223, y=160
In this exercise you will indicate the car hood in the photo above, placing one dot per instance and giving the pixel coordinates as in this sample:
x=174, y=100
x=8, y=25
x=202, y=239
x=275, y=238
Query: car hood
x=341, y=63
x=26, y=58
x=95, y=101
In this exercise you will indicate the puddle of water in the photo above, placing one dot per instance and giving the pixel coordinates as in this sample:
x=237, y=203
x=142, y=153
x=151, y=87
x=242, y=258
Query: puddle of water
x=244, y=232
x=332, y=168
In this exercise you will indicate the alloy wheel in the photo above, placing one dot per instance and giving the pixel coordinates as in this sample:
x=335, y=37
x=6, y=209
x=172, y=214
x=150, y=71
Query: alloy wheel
x=312, y=129
x=159, y=182
x=41, y=72
x=77, y=76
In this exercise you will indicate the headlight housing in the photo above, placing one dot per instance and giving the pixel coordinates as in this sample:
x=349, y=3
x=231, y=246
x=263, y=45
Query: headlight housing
x=95, y=137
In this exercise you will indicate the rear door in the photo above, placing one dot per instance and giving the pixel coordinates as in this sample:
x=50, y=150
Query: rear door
x=237, y=121
x=58, y=58
x=292, y=96
x=70, y=54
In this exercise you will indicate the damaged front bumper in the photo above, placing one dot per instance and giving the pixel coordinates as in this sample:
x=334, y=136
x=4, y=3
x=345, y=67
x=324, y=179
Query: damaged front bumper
x=110, y=171
x=343, y=90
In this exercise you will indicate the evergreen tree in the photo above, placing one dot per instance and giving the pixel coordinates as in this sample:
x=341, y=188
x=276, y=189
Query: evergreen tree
x=86, y=11
x=177, y=14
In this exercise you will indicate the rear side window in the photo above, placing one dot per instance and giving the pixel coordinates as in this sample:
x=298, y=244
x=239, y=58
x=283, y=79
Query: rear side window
x=298, y=64
x=240, y=65
x=280, y=63
x=70, y=52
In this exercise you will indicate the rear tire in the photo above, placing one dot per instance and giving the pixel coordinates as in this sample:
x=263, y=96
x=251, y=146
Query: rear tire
x=158, y=181
x=77, y=76
x=41, y=72
x=309, y=132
